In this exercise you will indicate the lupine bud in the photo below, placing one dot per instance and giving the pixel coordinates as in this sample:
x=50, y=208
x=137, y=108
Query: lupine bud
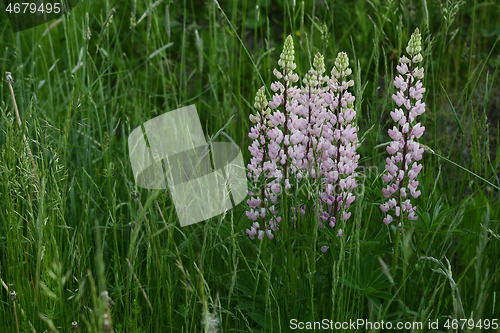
x=260, y=99
x=319, y=63
x=342, y=61
x=415, y=45
x=287, y=55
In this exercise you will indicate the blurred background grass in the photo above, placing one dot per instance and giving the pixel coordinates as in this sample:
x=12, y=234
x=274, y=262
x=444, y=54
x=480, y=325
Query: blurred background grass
x=85, y=81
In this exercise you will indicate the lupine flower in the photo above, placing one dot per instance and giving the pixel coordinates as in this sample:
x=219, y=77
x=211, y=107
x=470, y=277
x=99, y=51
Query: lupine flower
x=276, y=135
x=340, y=233
x=286, y=96
x=340, y=142
x=402, y=167
x=259, y=166
x=309, y=122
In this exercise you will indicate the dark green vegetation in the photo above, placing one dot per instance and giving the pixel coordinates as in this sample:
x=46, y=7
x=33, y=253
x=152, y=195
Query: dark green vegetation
x=83, y=83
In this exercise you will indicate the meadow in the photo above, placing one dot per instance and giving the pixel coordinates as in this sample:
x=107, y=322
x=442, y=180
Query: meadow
x=83, y=248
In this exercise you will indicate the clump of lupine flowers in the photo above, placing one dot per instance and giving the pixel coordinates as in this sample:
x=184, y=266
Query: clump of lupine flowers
x=402, y=168
x=309, y=134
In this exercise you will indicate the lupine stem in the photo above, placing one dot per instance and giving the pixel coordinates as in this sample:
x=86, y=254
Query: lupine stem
x=337, y=185
x=396, y=252
x=308, y=145
x=285, y=144
x=263, y=135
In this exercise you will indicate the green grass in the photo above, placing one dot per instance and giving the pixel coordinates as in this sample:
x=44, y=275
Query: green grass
x=86, y=230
